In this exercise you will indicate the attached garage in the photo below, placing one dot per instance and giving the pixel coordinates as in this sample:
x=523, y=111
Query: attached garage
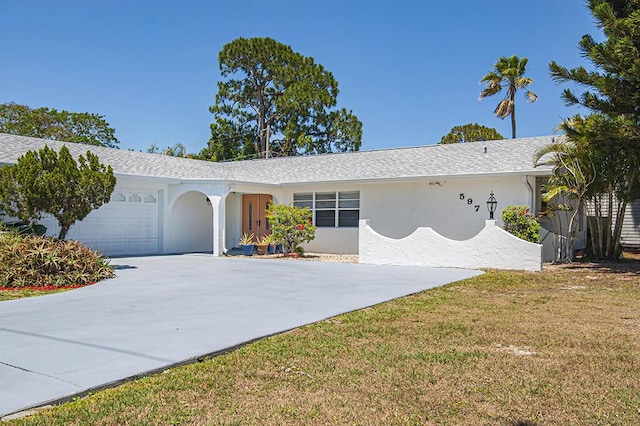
x=128, y=225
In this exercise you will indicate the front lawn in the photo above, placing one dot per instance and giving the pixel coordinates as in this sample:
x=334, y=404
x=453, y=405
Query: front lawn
x=509, y=348
x=19, y=294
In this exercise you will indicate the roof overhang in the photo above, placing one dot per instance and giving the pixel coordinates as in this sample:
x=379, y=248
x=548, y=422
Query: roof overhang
x=147, y=178
x=399, y=179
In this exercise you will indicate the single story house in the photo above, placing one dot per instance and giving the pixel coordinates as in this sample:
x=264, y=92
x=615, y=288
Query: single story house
x=165, y=205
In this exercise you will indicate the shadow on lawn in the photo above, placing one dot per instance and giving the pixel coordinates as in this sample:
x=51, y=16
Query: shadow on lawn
x=628, y=264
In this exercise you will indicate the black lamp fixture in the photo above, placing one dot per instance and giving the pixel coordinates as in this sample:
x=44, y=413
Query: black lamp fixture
x=491, y=205
x=208, y=201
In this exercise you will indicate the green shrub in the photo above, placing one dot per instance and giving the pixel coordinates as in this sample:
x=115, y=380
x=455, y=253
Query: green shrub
x=291, y=226
x=25, y=228
x=32, y=261
x=521, y=223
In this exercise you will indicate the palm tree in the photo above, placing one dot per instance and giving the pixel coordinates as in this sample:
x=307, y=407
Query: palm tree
x=508, y=73
x=573, y=182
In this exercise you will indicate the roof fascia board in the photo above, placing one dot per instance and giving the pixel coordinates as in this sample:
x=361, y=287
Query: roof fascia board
x=229, y=181
x=422, y=178
x=147, y=178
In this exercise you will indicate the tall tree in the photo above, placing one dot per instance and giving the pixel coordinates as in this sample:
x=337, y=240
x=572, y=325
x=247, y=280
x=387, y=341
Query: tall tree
x=176, y=150
x=471, y=133
x=276, y=101
x=508, y=73
x=50, y=182
x=575, y=181
x=612, y=131
x=46, y=123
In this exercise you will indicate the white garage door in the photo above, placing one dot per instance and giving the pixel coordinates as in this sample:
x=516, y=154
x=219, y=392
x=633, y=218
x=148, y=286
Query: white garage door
x=127, y=225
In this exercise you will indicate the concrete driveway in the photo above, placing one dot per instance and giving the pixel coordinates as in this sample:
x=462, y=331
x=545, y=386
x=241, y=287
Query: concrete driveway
x=166, y=310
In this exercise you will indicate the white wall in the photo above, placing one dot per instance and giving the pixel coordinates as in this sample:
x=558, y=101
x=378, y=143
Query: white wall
x=328, y=240
x=455, y=208
x=190, y=224
x=492, y=247
x=397, y=209
x=233, y=219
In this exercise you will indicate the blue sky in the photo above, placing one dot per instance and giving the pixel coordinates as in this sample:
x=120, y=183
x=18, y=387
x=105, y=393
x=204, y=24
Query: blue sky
x=410, y=70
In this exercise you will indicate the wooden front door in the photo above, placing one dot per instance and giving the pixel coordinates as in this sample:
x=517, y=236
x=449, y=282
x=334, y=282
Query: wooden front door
x=254, y=220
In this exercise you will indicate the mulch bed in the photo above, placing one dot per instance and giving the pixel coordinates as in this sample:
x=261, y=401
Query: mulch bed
x=45, y=288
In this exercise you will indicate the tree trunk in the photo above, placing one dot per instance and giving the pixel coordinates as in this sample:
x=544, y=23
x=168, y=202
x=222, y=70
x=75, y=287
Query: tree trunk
x=572, y=231
x=513, y=120
x=616, y=250
x=609, y=236
x=63, y=231
x=596, y=230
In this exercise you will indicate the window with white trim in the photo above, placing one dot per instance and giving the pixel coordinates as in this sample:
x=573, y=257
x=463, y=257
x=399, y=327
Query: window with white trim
x=338, y=209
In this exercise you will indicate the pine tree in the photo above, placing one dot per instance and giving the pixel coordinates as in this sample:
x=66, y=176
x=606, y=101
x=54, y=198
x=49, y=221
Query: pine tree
x=50, y=182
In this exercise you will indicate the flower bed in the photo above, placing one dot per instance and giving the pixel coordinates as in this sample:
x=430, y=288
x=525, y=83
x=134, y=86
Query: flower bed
x=45, y=288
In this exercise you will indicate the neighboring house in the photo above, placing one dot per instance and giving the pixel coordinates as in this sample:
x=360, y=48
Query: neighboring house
x=166, y=204
x=631, y=226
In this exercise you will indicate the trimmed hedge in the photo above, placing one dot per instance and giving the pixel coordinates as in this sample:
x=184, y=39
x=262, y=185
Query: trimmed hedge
x=32, y=261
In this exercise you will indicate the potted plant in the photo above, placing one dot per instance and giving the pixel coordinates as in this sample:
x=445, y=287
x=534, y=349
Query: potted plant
x=263, y=244
x=274, y=246
x=246, y=244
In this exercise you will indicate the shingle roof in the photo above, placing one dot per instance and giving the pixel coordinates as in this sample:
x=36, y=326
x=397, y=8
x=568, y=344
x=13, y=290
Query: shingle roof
x=503, y=157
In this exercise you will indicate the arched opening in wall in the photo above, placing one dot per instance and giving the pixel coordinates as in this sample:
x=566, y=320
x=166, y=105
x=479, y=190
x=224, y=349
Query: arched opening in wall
x=190, y=224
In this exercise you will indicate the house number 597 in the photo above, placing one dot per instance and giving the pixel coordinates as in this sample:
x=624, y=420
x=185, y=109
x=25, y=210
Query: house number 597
x=469, y=201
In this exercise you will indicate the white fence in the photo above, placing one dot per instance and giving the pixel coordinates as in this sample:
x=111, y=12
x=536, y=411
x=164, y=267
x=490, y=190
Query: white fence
x=492, y=247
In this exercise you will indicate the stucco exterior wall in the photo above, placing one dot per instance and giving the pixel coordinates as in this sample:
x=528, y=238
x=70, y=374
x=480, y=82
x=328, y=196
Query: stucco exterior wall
x=233, y=219
x=492, y=247
x=190, y=226
x=328, y=239
x=455, y=208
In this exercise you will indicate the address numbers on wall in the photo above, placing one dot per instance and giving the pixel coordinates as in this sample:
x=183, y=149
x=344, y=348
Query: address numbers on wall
x=469, y=201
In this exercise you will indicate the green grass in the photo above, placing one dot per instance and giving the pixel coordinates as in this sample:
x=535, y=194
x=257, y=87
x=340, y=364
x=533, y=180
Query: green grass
x=19, y=294
x=511, y=348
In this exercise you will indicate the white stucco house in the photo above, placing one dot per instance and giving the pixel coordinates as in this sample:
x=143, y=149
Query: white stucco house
x=165, y=205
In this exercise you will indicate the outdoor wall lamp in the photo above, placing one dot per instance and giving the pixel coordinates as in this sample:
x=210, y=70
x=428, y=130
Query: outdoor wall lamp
x=208, y=201
x=491, y=205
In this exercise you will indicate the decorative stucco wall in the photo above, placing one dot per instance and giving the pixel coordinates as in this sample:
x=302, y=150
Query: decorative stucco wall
x=492, y=247
x=455, y=208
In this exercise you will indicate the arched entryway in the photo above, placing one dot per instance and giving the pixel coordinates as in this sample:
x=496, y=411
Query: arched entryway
x=190, y=224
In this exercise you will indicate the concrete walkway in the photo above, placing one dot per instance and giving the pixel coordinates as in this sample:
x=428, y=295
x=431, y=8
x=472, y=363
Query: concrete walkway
x=166, y=310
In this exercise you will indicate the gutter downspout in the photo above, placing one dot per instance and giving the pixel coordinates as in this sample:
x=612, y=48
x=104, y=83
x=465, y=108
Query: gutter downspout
x=531, y=194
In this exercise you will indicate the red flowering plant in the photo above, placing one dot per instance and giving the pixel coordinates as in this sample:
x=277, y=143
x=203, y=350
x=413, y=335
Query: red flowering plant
x=519, y=221
x=291, y=226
